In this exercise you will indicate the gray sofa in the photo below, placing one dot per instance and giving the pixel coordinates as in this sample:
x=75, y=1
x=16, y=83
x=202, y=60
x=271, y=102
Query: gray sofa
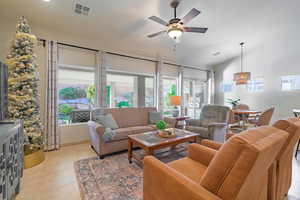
x=129, y=120
x=213, y=123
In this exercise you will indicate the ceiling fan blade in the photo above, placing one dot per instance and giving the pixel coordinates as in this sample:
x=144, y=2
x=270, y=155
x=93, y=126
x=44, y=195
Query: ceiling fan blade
x=156, y=34
x=159, y=20
x=195, y=29
x=191, y=15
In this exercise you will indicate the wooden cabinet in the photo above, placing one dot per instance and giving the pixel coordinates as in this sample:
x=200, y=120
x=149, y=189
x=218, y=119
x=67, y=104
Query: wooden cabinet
x=11, y=158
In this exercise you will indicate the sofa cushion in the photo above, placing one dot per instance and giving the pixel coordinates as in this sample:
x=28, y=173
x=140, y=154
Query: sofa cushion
x=129, y=117
x=202, y=131
x=121, y=134
x=107, y=121
x=188, y=167
x=154, y=117
x=141, y=129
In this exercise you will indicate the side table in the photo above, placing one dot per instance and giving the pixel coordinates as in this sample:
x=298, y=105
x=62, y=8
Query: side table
x=178, y=119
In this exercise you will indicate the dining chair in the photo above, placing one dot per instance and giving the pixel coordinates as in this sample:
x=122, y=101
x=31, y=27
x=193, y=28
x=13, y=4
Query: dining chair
x=241, y=107
x=264, y=118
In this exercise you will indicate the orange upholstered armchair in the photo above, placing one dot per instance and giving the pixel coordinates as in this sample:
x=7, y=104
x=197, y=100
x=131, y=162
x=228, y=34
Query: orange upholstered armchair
x=232, y=173
x=280, y=174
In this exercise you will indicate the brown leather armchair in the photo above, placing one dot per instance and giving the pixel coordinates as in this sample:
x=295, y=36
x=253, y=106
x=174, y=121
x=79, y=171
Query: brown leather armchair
x=280, y=174
x=232, y=173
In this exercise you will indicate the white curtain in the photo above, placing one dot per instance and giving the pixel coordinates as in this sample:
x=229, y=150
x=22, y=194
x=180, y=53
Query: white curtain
x=211, y=87
x=101, y=79
x=181, y=91
x=52, y=136
x=159, y=92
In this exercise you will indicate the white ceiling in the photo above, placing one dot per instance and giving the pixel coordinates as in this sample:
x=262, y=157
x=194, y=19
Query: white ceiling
x=122, y=25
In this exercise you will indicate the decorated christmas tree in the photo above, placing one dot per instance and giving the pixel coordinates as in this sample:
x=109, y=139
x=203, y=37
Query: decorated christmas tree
x=23, y=102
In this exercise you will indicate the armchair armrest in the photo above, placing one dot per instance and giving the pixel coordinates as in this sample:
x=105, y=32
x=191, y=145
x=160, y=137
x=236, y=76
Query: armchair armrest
x=229, y=135
x=217, y=124
x=211, y=144
x=201, y=154
x=193, y=122
x=164, y=182
x=171, y=121
x=98, y=128
x=96, y=132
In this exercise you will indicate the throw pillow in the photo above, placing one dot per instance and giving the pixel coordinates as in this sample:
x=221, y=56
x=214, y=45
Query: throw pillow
x=107, y=121
x=154, y=117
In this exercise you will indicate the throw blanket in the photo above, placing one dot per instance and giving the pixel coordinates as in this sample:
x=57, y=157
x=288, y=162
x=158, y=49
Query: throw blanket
x=108, y=135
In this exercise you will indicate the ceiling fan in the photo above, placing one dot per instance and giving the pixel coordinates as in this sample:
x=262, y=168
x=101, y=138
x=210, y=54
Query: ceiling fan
x=176, y=26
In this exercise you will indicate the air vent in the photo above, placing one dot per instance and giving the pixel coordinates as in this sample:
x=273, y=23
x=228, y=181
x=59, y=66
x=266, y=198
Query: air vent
x=81, y=9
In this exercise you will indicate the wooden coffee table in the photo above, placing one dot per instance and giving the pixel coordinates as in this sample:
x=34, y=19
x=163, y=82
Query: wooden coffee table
x=150, y=141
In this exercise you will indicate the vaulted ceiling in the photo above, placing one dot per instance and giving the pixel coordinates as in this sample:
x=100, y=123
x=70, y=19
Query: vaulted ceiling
x=122, y=25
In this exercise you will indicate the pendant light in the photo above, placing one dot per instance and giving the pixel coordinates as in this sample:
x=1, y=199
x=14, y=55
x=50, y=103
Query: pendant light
x=242, y=78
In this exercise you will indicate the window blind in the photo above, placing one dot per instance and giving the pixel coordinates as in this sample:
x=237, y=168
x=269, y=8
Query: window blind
x=75, y=56
x=194, y=74
x=170, y=70
x=131, y=65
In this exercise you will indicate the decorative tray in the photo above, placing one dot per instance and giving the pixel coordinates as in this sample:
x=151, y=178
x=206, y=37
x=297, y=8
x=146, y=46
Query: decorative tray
x=168, y=133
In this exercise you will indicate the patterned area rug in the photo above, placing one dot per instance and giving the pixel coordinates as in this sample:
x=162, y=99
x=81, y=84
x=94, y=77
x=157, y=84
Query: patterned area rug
x=113, y=178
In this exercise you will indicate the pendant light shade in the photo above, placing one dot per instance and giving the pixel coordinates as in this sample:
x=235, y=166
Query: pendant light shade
x=241, y=78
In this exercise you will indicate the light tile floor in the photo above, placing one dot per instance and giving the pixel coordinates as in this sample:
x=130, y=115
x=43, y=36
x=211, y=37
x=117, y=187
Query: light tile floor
x=55, y=179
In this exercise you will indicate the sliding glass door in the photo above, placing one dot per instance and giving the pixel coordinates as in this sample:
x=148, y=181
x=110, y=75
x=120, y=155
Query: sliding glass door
x=169, y=89
x=193, y=97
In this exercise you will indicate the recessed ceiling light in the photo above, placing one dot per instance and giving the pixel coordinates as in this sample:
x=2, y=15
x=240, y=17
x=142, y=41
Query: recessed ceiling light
x=217, y=53
x=47, y=0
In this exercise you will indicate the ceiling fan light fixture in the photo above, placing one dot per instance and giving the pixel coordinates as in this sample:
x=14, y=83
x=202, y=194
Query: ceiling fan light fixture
x=175, y=33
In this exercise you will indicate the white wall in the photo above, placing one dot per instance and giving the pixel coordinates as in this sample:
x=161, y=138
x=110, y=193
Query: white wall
x=276, y=57
x=74, y=133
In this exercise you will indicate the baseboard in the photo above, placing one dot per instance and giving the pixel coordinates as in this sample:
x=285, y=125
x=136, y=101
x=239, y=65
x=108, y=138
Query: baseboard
x=75, y=143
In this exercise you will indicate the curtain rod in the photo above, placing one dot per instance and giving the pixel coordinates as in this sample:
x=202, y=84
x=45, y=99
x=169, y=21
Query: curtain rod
x=123, y=55
x=127, y=56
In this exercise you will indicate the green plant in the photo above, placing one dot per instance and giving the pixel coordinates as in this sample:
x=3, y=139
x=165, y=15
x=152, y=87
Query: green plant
x=70, y=93
x=65, y=109
x=122, y=104
x=161, y=125
x=172, y=92
x=234, y=102
x=90, y=93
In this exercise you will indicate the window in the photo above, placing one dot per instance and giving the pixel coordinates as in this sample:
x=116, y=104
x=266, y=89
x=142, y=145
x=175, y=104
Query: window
x=291, y=82
x=255, y=85
x=149, y=92
x=76, y=90
x=121, y=90
x=169, y=89
x=226, y=87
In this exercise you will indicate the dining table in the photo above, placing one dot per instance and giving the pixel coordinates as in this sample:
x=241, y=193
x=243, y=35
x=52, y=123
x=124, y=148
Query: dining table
x=244, y=114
